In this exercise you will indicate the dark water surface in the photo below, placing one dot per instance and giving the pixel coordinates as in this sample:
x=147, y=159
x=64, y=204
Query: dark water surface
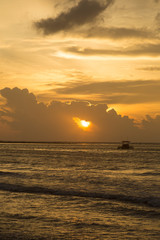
x=79, y=191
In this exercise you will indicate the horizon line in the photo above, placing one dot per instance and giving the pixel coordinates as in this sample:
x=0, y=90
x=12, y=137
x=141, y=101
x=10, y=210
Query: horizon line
x=75, y=142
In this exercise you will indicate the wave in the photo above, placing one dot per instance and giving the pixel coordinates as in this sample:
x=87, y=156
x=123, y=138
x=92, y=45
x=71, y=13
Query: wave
x=19, y=216
x=150, y=174
x=10, y=174
x=149, y=201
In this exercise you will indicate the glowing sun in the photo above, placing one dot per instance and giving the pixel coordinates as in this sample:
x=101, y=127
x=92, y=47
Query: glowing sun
x=85, y=123
x=82, y=123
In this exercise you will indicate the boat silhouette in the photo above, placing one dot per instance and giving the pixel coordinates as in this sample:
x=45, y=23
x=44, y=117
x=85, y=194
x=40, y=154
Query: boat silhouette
x=125, y=145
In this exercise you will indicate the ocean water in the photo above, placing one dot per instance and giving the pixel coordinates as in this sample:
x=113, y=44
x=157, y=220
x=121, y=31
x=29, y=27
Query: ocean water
x=79, y=191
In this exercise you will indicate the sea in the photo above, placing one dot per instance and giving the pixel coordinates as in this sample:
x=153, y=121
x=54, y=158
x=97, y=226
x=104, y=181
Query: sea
x=79, y=191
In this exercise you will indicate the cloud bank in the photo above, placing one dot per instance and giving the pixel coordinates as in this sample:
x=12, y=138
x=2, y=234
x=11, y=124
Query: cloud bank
x=29, y=120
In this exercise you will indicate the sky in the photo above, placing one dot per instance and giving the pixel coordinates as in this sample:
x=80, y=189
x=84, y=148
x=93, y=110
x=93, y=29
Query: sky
x=92, y=60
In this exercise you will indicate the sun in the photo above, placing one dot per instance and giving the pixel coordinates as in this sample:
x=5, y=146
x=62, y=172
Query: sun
x=82, y=123
x=85, y=123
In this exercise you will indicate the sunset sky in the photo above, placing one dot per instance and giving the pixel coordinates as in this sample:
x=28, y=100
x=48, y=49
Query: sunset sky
x=93, y=60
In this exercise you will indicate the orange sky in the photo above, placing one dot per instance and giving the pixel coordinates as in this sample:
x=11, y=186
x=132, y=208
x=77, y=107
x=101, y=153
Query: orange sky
x=96, y=51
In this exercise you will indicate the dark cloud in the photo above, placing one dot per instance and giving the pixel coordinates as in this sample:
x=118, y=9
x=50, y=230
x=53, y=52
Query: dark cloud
x=151, y=127
x=116, y=33
x=158, y=20
x=126, y=92
x=150, y=68
x=149, y=50
x=35, y=121
x=85, y=12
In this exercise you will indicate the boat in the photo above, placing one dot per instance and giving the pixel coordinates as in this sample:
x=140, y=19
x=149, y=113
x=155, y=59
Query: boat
x=125, y=145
